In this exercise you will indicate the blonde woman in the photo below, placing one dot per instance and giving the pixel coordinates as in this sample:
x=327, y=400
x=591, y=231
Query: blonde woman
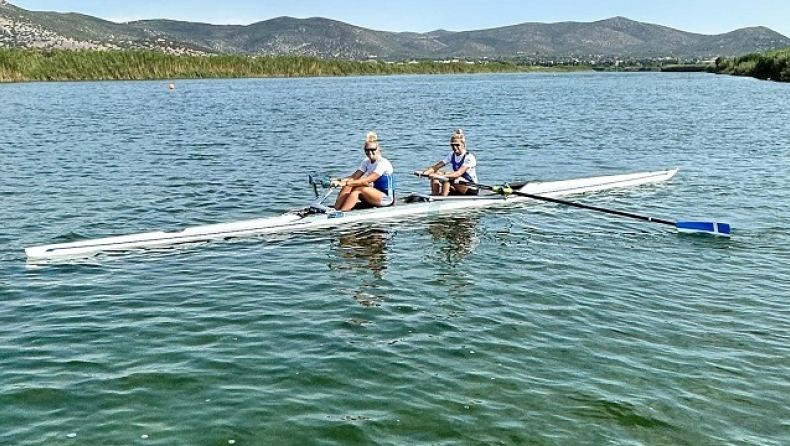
x=464, y=171
x=372, y=183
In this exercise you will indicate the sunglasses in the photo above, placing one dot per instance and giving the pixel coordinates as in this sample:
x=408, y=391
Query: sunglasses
x=455, y=145
x=371, y=150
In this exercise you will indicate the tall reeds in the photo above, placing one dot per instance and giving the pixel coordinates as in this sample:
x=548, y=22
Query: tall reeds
x=35, y=65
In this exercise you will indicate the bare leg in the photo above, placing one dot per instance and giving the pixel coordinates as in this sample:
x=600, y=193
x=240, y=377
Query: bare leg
x=367, y=194
x=440, y=187
x=371, y=195
x=341, y=196
x=461, y=188
x=435, y=187
x=349, y=201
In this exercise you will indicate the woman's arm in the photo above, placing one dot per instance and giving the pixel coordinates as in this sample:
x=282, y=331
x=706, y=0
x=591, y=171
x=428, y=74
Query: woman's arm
x=363, y=181
x=458, y=173
x=356, y=179
x=346, y=180
x=433, y=169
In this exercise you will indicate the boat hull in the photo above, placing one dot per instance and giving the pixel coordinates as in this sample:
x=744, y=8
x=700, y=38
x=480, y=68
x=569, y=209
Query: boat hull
x=295, y=221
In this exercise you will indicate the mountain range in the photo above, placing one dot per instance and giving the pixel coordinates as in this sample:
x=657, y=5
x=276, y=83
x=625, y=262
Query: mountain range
x=585, y=42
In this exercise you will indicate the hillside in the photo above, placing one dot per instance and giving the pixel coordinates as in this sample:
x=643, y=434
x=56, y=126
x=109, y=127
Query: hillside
x=51, y=30
x=593, y=42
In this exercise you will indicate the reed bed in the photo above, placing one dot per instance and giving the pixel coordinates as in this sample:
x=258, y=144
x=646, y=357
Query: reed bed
x=18, y=65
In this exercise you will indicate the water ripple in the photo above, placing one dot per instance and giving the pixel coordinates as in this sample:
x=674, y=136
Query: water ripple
x=534, y=323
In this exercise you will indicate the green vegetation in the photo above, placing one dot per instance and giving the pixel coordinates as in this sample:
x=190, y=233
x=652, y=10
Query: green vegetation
x=33, y=65
x=687, y=68
x=771, y=65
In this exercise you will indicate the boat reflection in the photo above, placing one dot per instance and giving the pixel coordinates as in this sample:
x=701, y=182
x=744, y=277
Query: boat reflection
x=458, y=234
x=365, y=249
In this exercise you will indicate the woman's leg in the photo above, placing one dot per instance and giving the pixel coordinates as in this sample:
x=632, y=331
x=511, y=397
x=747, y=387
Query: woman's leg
x=368, y=194
x=349, y=201
x=341, y=196
x=440, y=187
x=371, y=195
x=461, y=188
x=436, y=187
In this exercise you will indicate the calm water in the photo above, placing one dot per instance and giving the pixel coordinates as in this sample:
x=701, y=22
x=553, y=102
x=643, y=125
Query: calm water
x=530, y=325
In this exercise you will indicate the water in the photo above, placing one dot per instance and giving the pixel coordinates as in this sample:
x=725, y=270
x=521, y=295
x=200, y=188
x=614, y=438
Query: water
x=527, y=325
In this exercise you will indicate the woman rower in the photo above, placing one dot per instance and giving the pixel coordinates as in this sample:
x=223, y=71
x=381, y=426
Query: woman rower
x=372, y=183
x=464, y=171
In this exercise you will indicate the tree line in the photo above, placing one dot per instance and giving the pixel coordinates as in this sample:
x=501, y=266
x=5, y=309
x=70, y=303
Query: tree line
x=771, y=65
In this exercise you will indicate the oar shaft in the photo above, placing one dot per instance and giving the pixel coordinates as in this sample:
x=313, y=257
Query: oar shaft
x=584, y=206
x=596, y=208
x=716, y=228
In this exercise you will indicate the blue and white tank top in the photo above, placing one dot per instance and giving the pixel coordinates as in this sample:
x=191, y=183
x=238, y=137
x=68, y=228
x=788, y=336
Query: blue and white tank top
x=468, y=160
x=386, y=181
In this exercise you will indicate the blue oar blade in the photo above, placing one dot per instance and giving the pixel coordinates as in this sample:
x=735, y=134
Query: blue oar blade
x=704, y=226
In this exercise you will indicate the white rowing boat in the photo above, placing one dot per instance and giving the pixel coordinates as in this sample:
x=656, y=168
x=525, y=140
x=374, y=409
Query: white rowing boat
x=314, y=216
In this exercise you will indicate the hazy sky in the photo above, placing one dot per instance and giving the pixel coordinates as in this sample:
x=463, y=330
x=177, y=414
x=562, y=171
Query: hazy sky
x=699, y=16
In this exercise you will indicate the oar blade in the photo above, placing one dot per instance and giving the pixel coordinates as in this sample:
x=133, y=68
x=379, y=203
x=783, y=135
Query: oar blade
x=705, y=227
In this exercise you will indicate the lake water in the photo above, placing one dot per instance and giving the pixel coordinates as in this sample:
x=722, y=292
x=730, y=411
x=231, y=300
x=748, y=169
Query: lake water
x=535, y=324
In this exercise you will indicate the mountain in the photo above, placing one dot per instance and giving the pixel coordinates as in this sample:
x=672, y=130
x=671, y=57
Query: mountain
x=591, y=42
x=618, y=37
x=51, y=30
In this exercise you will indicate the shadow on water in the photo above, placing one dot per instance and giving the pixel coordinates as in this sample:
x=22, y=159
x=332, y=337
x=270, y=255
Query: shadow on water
x=457, y=237
x=366, y=248
x=359, y=251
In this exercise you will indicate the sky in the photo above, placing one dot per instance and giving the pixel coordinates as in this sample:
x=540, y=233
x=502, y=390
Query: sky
x=697, y=16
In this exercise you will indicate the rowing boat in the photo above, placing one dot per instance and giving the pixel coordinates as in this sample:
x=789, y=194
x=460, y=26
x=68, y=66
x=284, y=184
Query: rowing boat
x=317, y=216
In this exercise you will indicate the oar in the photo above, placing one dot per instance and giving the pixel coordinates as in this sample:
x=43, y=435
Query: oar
x=706, y=227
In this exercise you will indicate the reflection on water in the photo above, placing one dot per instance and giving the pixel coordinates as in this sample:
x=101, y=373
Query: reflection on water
x=588, y=339
x=368, y=247
x=457, y=236
x=363, y=250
